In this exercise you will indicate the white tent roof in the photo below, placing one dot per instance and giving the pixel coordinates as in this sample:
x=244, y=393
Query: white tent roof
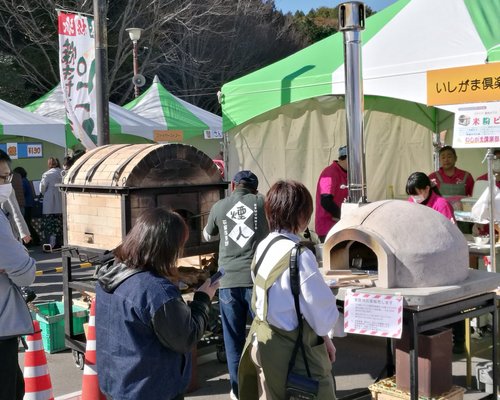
x=16, y=121
x=171, y=112
x=395, y=64
x=121, y=120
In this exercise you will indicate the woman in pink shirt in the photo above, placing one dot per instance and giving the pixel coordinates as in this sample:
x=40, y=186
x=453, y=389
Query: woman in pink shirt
x=421, y=191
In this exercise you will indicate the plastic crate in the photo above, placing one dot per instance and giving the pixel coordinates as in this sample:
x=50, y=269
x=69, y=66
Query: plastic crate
x=51, y=318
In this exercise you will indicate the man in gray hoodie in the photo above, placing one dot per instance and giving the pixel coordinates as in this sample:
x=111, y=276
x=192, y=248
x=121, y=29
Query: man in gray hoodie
x=17, y=269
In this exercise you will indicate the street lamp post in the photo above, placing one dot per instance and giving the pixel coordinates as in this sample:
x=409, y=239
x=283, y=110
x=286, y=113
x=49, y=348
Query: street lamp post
x=135, y=35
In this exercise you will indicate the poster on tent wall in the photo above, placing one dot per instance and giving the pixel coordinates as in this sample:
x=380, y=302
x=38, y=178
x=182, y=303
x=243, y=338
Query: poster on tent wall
x=77, y=73
x=477, y=125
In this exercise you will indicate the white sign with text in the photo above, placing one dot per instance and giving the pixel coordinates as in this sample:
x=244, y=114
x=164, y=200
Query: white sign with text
x=373, y=314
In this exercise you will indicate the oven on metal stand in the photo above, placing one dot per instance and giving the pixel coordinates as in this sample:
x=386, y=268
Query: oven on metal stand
x=108, y=188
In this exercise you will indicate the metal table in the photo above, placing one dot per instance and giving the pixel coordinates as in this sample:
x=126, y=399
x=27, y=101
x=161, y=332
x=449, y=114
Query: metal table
x=419, y=320
x=423, y=317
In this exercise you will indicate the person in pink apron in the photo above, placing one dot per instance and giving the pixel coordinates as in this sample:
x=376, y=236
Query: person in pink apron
x=421, y=191
x=450, y=180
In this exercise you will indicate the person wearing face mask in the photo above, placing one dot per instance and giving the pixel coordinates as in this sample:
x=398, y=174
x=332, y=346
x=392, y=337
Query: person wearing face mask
x=496, y=169
x=484, y=229
x=421, y=191
x=17, y=269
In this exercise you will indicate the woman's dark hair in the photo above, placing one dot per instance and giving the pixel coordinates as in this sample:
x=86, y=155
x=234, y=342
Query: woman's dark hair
x=53, y=162
x=288, y=205
x=68, y=161
x=447, y=148
x=155, y=242
x=21, y=171
x=419, y=180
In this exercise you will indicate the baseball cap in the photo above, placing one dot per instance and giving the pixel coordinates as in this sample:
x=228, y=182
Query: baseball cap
x=343, y=151
x=248, y=178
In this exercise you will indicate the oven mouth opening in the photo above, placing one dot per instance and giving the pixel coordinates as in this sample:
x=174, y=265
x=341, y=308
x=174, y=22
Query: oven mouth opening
x=355, y=256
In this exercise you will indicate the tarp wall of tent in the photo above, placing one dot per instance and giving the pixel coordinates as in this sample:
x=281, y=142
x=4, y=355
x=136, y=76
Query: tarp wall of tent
x=298, y=140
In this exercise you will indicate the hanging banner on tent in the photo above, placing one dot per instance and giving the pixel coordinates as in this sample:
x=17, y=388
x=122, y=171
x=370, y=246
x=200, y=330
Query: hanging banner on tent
x=77, y=72
x=462, y=85
x=168, y=135
x=213, y=134
x=477, y=125
x=22, y=150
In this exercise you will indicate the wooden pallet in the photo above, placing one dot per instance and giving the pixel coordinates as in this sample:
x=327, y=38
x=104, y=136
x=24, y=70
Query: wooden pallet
x=386, y=390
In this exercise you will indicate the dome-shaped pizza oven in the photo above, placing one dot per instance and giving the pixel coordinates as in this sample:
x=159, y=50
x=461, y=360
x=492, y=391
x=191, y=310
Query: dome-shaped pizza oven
x=410, y=245
x=109, y=187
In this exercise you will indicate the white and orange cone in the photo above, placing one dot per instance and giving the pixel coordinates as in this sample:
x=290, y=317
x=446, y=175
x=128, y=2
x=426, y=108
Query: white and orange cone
x=90, y=383
x=38, y=385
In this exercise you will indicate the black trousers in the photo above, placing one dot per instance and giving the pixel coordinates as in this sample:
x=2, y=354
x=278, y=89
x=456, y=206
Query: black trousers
x=11, y=377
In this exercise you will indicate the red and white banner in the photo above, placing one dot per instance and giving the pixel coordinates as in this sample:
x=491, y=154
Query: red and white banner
x=373, y=314
x=77, y=70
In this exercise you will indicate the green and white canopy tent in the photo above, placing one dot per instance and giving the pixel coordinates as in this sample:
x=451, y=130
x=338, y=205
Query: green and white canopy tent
x=15, y=122
x=174, y=114
x=287, y=120
x=124, y=126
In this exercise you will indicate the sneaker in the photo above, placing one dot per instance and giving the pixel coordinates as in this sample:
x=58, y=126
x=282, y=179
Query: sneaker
x=232, y=396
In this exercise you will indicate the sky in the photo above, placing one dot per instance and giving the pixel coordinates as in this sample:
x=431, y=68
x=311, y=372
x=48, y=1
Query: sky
x=306, y=5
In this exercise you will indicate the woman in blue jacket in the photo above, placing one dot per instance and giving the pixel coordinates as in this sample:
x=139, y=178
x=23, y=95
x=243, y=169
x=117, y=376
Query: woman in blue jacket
x=144, y=330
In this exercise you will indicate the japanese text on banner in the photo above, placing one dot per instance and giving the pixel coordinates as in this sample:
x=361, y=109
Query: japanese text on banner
x=477, y=125
x=77, y=73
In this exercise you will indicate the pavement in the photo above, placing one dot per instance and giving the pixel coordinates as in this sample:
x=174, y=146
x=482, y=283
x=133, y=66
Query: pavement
x=360, y=359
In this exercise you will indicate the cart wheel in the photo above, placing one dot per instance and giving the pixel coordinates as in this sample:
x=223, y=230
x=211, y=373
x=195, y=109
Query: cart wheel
x=221, y=354
x=79, y=359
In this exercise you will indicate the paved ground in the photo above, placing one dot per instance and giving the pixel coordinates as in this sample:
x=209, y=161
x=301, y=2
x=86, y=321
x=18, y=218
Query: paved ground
x=360, y=359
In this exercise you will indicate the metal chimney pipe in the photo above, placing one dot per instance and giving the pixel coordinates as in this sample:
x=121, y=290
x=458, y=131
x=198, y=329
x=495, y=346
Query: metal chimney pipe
x=351, y=23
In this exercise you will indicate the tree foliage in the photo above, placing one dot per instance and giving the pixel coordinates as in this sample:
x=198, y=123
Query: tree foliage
x=194, y=46
x=319, y=23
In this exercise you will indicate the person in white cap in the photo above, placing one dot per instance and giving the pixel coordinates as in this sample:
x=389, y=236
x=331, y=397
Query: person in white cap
x=331, y=192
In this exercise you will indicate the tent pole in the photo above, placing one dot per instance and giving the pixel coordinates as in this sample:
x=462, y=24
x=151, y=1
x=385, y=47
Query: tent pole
x=225, y=155
x=490, y=155
x=437, y=140
x=101, y=72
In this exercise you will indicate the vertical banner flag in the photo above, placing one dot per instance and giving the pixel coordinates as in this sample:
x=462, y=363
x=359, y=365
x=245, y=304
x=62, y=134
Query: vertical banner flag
x=77, y=70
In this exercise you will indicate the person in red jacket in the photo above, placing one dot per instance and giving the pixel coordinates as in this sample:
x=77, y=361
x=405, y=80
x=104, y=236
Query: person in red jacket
x=331, y=192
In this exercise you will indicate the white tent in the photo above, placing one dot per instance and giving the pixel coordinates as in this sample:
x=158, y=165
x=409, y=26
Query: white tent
x=198, y=127
x=124, y=126
x=161, y=106
x=287, y=120
x=14, y=121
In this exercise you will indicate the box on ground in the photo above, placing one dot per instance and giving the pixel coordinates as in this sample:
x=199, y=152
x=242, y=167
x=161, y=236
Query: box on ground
x=434, y=362
x=386, y=390
x=51, y=318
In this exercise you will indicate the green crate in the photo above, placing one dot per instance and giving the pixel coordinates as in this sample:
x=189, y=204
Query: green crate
x=51, y=318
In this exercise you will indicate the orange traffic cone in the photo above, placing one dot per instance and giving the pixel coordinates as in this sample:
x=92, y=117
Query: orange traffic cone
x=90, y=383
x=36, y=371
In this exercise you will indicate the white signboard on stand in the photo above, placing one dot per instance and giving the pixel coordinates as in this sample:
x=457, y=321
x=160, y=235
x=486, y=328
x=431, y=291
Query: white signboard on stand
x=373, y=314
x=477, y=125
